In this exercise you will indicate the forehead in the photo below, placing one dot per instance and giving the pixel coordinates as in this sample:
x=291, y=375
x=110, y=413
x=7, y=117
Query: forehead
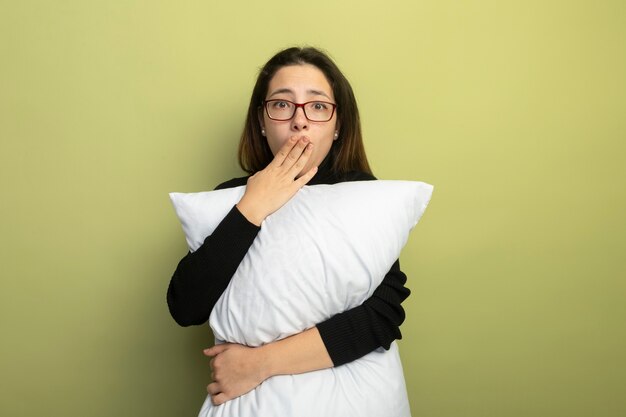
x=300, y=79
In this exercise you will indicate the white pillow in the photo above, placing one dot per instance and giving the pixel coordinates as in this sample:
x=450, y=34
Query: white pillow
x=325, y=251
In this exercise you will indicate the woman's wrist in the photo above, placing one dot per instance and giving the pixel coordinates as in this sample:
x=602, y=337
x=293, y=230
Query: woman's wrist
x=250, y=212
x=267, y=361
x=302, y=352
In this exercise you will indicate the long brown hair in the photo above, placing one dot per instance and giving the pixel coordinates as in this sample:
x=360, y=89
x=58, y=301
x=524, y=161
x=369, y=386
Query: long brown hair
x=347, y=152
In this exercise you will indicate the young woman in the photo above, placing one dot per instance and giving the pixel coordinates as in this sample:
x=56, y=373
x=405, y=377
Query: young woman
x=302, y=127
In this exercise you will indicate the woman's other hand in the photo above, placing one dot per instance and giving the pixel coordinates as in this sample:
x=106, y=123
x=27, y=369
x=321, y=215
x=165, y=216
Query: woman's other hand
x=235, y=370
x=238, y=369
x=269, y=189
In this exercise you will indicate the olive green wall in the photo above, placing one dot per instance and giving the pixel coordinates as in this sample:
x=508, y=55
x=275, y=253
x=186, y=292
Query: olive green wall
x=513, y=110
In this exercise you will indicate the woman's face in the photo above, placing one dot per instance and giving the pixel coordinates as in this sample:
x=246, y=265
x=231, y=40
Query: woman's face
x=300, y=84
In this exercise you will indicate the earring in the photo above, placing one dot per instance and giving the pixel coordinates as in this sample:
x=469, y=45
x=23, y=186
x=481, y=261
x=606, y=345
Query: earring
x=262, y=132
x=336, y=135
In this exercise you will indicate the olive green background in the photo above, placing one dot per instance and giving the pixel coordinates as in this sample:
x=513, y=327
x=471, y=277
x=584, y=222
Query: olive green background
x=514, y=110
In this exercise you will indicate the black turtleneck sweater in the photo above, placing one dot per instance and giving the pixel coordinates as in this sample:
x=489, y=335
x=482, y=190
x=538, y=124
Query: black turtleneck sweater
x=202, y=276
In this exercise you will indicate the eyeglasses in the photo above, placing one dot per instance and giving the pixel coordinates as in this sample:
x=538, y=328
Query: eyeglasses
x=315, y=111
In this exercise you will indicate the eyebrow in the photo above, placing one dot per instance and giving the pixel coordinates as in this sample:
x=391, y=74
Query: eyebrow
x=290, y=91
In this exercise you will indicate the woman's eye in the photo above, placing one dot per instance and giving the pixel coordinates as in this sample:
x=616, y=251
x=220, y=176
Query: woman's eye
x=281, y=104
x=320, y=106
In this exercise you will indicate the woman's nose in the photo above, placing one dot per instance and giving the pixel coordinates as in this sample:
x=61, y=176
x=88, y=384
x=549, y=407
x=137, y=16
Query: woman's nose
x=299, y=120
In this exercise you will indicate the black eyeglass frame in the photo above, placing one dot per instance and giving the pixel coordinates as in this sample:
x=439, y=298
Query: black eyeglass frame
x=297, y=105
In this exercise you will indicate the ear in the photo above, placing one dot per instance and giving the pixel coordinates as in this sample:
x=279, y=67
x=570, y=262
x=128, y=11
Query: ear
x=337, y=130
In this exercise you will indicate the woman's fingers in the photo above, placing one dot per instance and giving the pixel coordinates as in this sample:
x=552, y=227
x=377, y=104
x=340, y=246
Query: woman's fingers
x=306, y=177
x=296, y=153
x=303, y=158
x=291, y=152
x=214, y=350
x=281, y=155
x=217, y=397
x=220, y=398
x=213, y=388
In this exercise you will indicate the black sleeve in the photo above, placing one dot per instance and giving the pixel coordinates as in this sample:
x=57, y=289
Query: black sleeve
x=202, y=276
x=375, y=323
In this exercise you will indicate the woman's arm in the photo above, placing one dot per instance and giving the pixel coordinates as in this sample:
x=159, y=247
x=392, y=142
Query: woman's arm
x=202, y=276
x=343, y=338
x=373, y=324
